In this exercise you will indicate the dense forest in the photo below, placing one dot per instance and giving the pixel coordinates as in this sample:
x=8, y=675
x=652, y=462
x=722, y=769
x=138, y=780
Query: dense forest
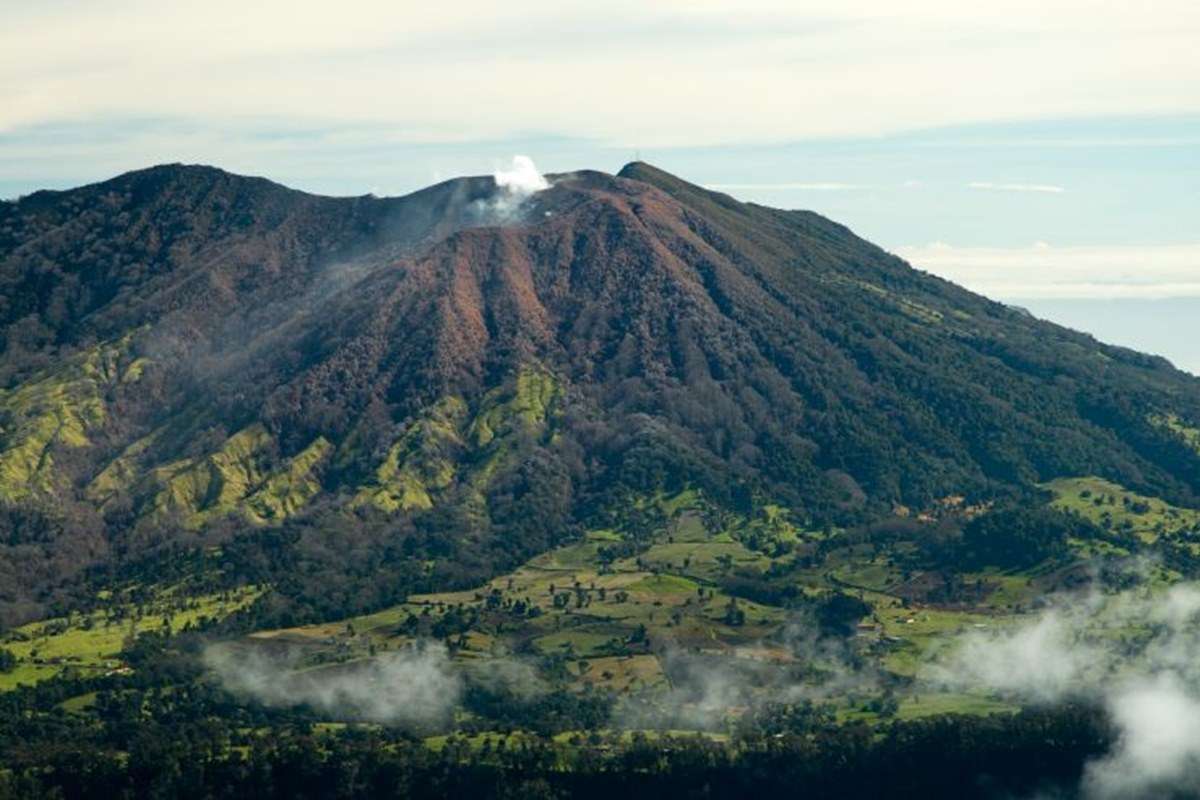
x=143, y=741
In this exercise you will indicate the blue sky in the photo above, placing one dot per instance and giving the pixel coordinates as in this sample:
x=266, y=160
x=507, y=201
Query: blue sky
x=1045, y=154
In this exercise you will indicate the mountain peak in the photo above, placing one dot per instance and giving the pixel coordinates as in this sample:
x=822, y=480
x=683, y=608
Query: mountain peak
x=689, y=194
x=655, y=176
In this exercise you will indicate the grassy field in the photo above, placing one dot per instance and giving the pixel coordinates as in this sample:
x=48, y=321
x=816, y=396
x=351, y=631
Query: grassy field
x=1114, y=507
x=915, y=706
x=620, y=673
x=90, y=643
x=613, y=622
x=589, y=612
x=616, y=615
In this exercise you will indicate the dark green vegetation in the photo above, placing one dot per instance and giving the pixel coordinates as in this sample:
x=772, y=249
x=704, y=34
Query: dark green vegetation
x=665, y=460
x=206, y=749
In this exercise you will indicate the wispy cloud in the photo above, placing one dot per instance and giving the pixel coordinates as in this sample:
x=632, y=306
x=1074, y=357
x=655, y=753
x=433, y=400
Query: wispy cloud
x=1046, y=271
x=820, y=186
x=1016, y=187
x=416, y=687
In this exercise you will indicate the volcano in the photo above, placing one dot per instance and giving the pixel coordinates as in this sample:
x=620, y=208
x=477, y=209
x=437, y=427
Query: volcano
x=188, y=355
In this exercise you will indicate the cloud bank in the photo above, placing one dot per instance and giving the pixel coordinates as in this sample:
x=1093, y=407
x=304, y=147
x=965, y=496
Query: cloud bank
x=1017, y=187
x=636, y=74
x=1044, y=271
x=1159, y=748
x=703, y=689
x=821, y=186
x=1043, y=661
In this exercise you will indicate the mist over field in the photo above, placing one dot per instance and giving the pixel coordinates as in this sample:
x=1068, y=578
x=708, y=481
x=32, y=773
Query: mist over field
x=416, y=688
x=1136, y=654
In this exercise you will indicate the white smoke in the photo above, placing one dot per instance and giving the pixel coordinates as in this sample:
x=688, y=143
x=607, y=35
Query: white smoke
x=415, y=687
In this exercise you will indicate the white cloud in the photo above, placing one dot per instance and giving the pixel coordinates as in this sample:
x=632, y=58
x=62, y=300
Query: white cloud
x=1159, y=746
x=1043, y=660
x=1046, y=271
x=1081, y=648
x=1016, y=187
x=414, y=687
x=673, y=72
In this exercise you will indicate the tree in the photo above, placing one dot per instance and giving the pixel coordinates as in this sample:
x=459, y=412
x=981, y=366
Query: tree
x=1021, y=537
x=734, y=615
x=838, y=613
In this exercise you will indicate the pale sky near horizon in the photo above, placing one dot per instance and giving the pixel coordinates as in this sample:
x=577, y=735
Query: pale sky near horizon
x=1044, y=152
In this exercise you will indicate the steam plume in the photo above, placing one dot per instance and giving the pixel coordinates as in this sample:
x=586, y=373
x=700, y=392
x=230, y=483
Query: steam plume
x=522, y=178
x=514, y=186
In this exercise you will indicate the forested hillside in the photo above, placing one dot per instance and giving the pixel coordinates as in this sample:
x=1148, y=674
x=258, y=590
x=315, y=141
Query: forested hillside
x=619, y=483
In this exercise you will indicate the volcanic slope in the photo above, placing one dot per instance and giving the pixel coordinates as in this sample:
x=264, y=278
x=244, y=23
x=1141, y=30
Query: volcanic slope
x=185, y=352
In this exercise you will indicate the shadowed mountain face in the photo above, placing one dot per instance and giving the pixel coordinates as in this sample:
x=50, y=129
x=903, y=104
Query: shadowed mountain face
x=185, y=351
